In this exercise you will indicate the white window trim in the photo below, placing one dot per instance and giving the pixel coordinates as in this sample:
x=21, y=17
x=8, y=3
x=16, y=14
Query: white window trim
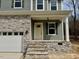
x=47, y=4
x=56, y=5
x=31, y=5
x=43, y=6
x=17, y=7
x=53, y=28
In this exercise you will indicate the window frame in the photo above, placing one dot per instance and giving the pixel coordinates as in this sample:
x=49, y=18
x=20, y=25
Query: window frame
x=52, y=28
x=17, y=7
x=56, y=5
x=43, y=6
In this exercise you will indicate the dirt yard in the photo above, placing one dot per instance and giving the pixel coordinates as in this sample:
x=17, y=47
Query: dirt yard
x=72, y=55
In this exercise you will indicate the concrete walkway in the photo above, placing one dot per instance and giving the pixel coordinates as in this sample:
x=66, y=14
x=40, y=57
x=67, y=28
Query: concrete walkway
x=10, y=55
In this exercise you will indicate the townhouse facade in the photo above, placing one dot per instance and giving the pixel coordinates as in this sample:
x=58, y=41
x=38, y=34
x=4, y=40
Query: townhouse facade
x=23, y=22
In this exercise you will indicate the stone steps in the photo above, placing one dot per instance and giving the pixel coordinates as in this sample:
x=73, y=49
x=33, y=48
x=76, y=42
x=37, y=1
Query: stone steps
x=37, y=51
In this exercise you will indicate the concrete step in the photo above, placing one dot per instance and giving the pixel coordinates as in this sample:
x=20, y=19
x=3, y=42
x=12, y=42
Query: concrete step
x=37, y=53
x=37, y=46
x=37, y=49
x=37, y=57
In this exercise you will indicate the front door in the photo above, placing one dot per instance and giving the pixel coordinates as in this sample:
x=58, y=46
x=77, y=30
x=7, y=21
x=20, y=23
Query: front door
x=38, y=31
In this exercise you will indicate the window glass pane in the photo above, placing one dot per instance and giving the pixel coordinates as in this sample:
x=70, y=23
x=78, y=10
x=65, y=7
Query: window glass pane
x=0, y=33
x=9, y=33
x=51, y=28
x=51, y=31
x=52, y=25
x=53, y=5
x=17, y=4
x=40, y=1
x=39, y=4
x=15, y=33
x=21, y=33
x=17, y=0
x=4, y=33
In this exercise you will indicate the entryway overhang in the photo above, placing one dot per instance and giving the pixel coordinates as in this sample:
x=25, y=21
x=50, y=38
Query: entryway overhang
x=39, y=15
x=50, y=15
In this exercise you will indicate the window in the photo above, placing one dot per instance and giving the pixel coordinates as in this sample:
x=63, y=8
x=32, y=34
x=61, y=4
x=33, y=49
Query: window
x=51, y=28
x=17, y=3
x=15, y=33
x=39, y=4
x=53, y=5
x=0, y=33
x=21, y=33
x=4, y=33
x=9, y=33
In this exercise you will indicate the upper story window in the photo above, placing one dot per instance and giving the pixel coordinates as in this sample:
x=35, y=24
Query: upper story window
x=53, y=4
x=17, y=3
x=40, y=5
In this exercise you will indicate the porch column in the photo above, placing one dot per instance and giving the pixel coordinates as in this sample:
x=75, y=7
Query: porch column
x=31, y=5
x=67, y=29
x=62, y=31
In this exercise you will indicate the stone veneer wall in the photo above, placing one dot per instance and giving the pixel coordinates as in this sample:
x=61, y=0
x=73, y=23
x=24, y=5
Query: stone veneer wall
x=55, y=46
x=16, y=23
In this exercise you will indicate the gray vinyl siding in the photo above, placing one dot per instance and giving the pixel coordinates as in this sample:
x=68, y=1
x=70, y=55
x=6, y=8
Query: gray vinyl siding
x=7, y=5
x=34, y=5
x=59, y=35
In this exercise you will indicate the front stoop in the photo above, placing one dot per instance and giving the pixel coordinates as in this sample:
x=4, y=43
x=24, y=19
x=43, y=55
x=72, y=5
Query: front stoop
x=37, y=51
x=41, y=49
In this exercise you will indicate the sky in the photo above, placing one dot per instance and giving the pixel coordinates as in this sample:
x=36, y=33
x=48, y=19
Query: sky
x=67, y=6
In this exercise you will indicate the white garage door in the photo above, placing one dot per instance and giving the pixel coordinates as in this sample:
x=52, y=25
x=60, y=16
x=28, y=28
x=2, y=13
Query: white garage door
x=10, y=44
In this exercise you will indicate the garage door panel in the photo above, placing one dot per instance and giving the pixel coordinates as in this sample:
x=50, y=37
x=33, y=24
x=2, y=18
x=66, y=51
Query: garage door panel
x=10, y=43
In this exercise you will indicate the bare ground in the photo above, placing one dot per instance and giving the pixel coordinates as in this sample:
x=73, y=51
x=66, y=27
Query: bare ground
x=71, y=55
